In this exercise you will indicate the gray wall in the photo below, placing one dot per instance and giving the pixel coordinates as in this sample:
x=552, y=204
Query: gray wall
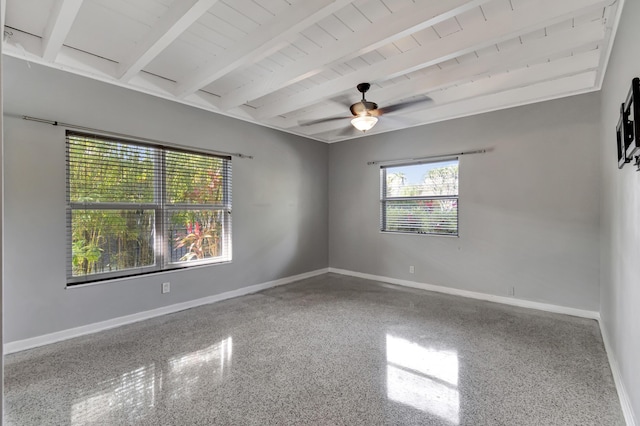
x=279, y=200
x=528, y=209
x=620, y=226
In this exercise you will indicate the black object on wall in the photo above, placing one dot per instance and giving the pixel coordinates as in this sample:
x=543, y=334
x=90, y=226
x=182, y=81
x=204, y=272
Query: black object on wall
x=628, y=128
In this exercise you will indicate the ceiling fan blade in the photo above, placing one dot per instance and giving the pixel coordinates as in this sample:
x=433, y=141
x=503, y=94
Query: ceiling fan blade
x=403, y=105
x=322, y=120
x=343, y=100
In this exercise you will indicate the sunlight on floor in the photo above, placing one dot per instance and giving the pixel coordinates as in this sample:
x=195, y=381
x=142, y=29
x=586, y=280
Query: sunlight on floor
x=423, y=378
x=135, y=391
x=132, y=391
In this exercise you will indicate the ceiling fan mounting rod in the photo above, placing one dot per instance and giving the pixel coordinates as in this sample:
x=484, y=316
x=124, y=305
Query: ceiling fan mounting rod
x=363, y=88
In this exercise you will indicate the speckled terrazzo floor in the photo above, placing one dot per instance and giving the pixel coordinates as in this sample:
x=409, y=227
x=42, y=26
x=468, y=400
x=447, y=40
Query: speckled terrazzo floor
x=330, y=350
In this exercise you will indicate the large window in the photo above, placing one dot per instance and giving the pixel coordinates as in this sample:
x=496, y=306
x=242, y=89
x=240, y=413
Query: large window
x=420, y=198
x=134, y=208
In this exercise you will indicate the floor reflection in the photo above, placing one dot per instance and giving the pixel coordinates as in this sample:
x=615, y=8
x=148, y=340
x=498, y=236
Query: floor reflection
x=208, y=365
x=134, y=393
x=423, y=378
x=131, y=393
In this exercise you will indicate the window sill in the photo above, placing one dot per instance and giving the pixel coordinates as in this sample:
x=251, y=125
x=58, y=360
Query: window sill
x=420, y=234
x=145, y=275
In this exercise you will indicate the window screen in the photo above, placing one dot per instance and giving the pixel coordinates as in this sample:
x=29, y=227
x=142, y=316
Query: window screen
x=420, y=198
x=134, y=208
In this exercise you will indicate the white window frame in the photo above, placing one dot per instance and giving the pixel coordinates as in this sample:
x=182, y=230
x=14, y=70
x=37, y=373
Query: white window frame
x=385, y=199
x=161, y=208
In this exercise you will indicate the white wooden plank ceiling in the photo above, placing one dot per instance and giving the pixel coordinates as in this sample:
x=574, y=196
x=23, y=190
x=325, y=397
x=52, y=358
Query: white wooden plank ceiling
x=287, y=63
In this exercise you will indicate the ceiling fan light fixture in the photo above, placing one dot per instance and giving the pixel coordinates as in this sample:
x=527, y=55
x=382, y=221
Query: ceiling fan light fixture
x=364, y=122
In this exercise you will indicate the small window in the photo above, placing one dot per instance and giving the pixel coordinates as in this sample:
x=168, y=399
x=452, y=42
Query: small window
x=420, y=198
x=134, y=208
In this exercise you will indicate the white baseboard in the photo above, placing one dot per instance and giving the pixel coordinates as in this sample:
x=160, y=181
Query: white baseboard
x=625, y=401
x=21, y=345
x=475, y=295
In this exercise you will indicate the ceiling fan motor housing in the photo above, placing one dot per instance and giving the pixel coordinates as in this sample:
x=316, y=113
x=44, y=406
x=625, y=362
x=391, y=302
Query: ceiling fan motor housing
x=363, y=107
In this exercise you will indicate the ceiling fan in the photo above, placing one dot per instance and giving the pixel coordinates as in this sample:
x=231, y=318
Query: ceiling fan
x=365, y=113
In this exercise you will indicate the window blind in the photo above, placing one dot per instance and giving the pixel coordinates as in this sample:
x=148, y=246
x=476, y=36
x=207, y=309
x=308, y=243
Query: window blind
x=134, y=208
x=420, y=198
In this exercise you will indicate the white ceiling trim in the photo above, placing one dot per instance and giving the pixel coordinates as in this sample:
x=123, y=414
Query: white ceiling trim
x=20, y=46
x=612, y=28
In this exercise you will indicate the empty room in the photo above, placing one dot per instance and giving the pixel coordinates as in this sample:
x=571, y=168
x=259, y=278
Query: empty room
x=328, y=212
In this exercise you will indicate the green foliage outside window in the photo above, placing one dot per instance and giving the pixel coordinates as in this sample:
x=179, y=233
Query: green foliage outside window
x=421, y=198
x=121, y=200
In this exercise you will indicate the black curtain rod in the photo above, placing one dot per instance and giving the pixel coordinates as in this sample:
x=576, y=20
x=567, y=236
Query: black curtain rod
x=120, y=135
x=430, y=157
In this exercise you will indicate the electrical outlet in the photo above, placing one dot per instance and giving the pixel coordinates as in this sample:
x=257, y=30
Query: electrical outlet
x=412, y=269
x=166, y=288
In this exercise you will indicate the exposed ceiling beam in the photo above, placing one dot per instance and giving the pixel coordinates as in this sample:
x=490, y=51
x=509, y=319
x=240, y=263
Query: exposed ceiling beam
x=557, y=88
x=27, y=47
x=547, y=90
x=507, y=70
x=535, y=50
x=62, y=16
x=398, y=25
x=552, y=89
x=532, y=16
x=267, y=40
x=177, y=19
x=523, y=77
